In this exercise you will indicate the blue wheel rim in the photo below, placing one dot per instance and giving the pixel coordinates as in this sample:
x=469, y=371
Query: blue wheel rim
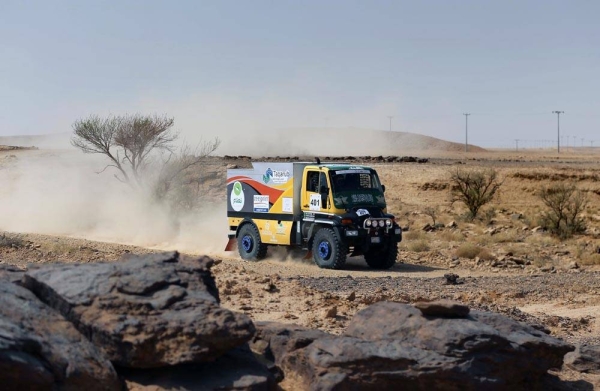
x=247, y=243
x=324, y=250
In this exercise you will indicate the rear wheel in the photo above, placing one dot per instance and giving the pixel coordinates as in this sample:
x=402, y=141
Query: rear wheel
x=382, y=258
x=328, y=251
x=250, y=246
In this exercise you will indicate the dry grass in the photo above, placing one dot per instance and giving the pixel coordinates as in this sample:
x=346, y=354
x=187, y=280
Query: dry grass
x=415, y=235
x=468, y=250
x=541, y=240
x=485, y=254
x=418, y=246
x=590, y=259
x=509, y=236
x=452, y=236
x=59, y=248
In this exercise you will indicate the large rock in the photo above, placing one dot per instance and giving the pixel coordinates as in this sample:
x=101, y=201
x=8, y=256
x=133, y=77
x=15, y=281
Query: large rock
x=41, y=350
x=392, y=345
x=274, y=340
x=11, y=273
x=584, y=359
x=148, y=311
x=237, y=369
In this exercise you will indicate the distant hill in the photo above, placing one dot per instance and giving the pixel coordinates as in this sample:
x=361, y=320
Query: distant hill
x=333, y=142
x=293, y=142
x=50, y=141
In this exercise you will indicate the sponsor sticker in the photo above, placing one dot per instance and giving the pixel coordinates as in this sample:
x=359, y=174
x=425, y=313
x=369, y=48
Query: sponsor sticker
x=261, y=203
x=362, y=212
x=356, y=198
x=287, y=205
x=276, y=176
x=236, y=198
x=280, y=229
x=352, y=171
x=309, y=216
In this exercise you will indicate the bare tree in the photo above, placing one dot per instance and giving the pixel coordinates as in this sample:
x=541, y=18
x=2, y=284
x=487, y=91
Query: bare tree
x=566, y=202
x=142, y=148
x=138, y=136
x=97, y=135
x=474, y=188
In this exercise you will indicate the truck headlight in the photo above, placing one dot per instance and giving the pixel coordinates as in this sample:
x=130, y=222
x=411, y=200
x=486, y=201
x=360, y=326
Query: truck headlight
x=388, y=223
x=351, y=233
x=381, y=223
x=367, y=223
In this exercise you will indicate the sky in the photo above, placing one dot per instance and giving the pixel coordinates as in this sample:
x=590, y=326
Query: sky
x=235, y=66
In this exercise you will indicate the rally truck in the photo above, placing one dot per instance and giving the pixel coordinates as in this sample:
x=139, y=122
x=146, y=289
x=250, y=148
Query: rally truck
x=330, y=210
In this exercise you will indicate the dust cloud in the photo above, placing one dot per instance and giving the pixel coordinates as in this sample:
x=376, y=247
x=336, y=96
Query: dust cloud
x=58, y=192
x=55, y=190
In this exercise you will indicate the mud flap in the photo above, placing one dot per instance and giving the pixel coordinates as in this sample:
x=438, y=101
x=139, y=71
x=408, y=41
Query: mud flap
x=231, y=244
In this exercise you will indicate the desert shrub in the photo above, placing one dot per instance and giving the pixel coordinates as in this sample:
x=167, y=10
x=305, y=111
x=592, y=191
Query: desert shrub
x=431, y=212
x=414, y=235
x=590, y=259
x=452, y=236
x=485, y=254
x=565, y=203
x=541, y=240
x=11, y=241
x=517, y=250
x=505, y=237
x=418, y=246
x=483, y=239
x=474, y=188
x=488, y=215
x=59, y=248
x=468, y=250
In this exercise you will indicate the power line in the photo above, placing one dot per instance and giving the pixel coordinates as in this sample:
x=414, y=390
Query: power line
x=558, y=113
x=466, y=131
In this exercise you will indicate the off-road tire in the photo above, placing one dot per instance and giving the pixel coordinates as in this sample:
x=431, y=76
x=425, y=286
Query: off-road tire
x=250, y=246
x=328, y=250
x=382, y=258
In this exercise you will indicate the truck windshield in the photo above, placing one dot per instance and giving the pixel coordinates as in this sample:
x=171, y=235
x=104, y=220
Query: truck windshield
x=354, y=180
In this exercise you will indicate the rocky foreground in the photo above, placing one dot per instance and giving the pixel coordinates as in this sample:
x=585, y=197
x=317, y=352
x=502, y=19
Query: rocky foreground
x=155, y=322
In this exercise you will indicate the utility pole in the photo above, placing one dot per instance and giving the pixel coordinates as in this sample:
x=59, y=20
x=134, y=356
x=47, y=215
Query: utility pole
x=390, y=117
x=517, y=142
x=558, y=113
x=582, y=142
x=466, y=131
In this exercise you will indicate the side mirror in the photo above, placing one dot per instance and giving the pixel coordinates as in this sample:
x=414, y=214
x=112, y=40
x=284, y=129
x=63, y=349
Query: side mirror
x=383, y=188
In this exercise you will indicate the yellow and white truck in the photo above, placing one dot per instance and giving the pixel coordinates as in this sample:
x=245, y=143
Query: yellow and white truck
x=330, y=210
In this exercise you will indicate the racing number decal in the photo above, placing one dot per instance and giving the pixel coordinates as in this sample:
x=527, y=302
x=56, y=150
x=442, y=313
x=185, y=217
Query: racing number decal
x=315, y=202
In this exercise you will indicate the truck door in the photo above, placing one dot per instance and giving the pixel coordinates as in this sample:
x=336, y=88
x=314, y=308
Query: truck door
x=314, y=182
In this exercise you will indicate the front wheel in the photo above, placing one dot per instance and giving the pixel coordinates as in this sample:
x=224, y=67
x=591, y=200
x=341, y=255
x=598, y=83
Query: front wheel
x=250, y=246
x=328, y=250
x=382, y=258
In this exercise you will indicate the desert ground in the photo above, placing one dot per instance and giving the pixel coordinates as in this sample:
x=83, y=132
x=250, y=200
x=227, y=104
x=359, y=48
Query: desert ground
x=505, y=263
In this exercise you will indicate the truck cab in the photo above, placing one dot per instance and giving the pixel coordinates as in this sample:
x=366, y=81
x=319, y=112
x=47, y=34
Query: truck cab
x=330, y=210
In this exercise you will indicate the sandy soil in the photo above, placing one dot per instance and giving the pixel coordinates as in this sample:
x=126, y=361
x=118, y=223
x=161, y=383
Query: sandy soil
x=556, y=284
